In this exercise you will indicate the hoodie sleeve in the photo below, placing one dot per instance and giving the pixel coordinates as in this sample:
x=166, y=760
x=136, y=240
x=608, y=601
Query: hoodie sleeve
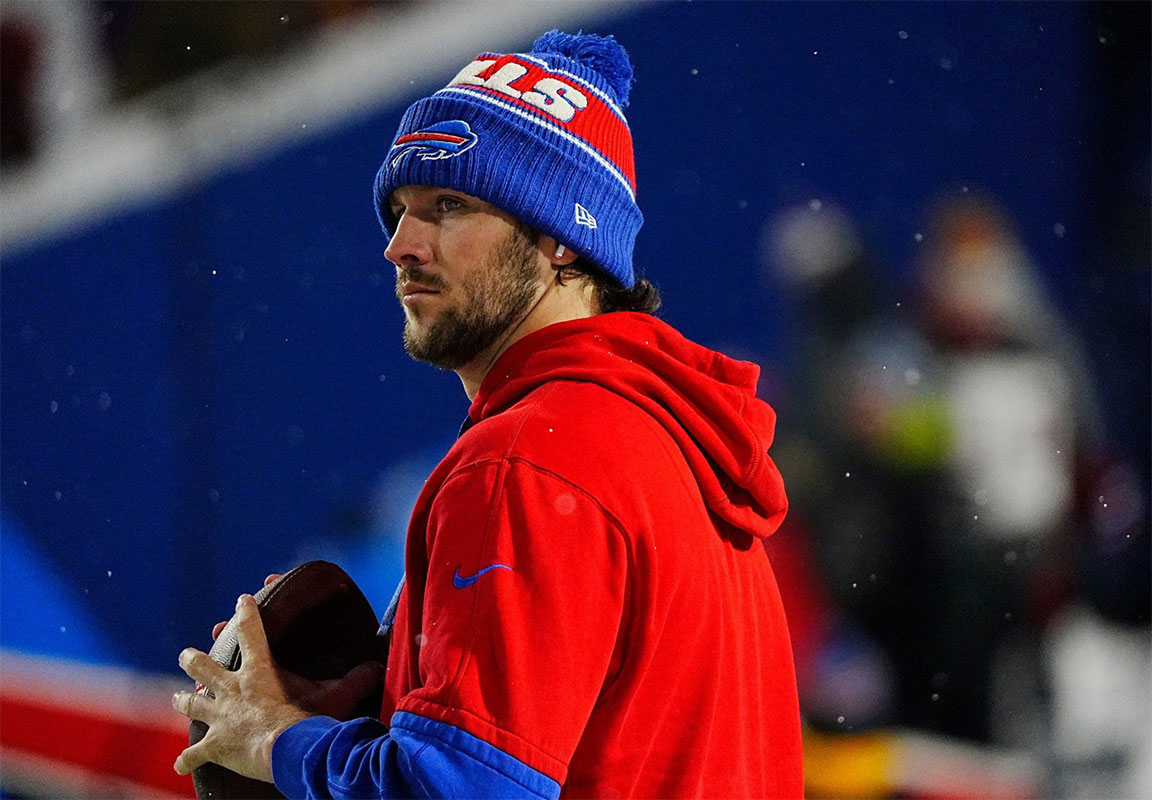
x=522, y=611
x=415, y=758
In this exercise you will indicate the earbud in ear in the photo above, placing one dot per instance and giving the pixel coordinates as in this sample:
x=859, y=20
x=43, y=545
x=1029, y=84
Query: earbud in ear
x=559, y=251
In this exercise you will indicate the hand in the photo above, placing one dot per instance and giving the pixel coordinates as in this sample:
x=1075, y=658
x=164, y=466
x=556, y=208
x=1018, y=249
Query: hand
x=250, y=707
x=255, y=704
x=218, y=628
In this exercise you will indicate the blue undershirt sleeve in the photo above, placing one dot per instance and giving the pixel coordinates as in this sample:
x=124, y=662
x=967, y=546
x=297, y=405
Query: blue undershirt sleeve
x=417, y=757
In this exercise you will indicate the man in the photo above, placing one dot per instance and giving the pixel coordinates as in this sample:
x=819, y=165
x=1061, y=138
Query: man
x=588, y=610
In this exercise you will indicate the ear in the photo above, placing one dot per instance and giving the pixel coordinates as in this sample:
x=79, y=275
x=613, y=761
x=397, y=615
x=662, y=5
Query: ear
x=557, y=253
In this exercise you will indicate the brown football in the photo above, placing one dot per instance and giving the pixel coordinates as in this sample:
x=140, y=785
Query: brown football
x=320, y=626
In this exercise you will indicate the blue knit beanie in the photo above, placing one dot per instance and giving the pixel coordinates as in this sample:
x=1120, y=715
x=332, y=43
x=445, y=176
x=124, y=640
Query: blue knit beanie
x=540, y=135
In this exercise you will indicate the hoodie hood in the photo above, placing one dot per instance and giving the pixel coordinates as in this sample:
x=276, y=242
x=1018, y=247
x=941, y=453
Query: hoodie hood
x=705, y=400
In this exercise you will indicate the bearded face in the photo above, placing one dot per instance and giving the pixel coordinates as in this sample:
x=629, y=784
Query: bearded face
x=468, y=314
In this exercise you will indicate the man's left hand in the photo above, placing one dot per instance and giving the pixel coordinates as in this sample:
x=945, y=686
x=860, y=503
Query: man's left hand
x=255, y=704
x=251, y=706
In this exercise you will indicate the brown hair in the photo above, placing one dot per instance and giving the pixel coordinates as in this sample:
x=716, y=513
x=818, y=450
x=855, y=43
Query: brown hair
x=609, y=294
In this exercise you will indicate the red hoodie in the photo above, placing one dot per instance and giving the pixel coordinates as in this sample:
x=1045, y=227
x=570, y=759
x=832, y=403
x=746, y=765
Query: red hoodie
x=586, y=591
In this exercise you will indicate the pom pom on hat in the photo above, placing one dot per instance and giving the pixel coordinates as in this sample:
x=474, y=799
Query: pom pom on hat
x=603, y=54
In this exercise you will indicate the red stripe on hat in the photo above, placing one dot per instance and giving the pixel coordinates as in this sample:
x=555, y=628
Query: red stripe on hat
x=435, y=137
x=596, y=124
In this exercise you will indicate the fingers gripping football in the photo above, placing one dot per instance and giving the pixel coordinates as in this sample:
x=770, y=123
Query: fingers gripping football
x=202, y=669
x=194, y=705
x=218, y=628
x=249, y=708
x=250, y=635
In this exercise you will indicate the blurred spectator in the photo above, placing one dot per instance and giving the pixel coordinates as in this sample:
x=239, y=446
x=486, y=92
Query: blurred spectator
x=954, y=472
x=862, y=444
x=1048, y=494
x=1018, y=405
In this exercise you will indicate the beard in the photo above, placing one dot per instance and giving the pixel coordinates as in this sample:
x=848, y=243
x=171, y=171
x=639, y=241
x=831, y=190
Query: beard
x=494, y=298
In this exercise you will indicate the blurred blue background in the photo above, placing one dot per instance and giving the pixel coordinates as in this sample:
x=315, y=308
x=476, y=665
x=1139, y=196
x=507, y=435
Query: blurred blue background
x=203, y=383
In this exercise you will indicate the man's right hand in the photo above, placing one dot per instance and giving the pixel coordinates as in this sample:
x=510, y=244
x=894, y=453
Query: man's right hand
x=218, y=628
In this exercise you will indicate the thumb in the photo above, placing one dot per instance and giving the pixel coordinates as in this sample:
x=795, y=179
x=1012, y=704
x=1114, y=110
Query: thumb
x=340, y=697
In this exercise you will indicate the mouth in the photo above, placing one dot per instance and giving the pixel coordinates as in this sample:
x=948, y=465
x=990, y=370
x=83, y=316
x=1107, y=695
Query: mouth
x=410, y=292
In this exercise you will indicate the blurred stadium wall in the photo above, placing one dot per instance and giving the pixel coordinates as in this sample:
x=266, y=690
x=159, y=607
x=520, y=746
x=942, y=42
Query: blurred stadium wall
x=202, y=380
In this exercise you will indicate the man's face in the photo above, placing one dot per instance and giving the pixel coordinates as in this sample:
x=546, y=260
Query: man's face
x=466, y=272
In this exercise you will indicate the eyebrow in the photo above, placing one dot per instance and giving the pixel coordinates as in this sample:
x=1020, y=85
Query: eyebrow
x=393, y=200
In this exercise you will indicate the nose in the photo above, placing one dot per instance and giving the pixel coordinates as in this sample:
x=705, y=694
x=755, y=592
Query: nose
x=411, y=243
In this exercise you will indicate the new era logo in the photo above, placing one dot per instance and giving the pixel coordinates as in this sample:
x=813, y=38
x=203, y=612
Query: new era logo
x=584, y=217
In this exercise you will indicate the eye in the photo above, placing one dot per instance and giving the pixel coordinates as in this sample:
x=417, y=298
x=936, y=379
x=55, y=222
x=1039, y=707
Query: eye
x=445, y=203
x=396, y=210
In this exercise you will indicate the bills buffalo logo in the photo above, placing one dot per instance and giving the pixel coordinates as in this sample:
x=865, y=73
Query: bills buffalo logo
x=441, y=140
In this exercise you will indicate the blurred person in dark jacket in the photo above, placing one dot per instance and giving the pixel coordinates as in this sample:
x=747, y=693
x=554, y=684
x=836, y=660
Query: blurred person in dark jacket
x=864, y=450
x=1047, y=525
x=950, y=466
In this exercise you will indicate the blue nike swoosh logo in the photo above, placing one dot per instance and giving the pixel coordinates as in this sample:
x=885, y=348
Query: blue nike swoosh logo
x=463, y=582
